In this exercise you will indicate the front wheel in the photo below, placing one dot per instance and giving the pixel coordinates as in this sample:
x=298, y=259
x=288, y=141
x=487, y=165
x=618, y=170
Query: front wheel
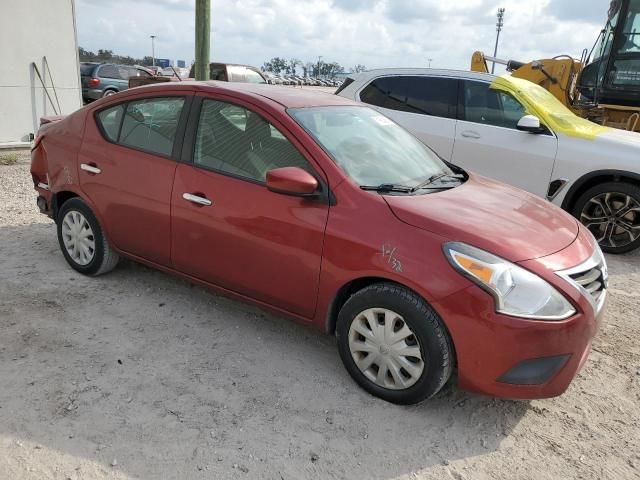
x=611, y=211
x=393, y=344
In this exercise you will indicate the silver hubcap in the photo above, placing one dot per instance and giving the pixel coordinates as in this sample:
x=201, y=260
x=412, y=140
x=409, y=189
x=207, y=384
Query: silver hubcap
x=385, y=349
x=613, y=218
x=78, y=238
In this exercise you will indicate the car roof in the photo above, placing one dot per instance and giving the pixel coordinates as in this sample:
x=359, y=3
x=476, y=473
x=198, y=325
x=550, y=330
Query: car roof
x=382, y=72
x=287, y=97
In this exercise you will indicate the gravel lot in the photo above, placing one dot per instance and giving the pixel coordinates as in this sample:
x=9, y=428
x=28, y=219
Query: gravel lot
x=138, y=374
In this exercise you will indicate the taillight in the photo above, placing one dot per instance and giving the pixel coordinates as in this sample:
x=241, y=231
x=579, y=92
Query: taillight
x=93, y=82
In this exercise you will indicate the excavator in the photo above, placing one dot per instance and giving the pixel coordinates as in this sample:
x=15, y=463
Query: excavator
x=604, y=84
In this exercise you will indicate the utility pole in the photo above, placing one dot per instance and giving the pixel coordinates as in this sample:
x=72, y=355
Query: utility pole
x=430, y=60
x=203, y=31
x=319, y=58
x=153, y=50
x=499, y=26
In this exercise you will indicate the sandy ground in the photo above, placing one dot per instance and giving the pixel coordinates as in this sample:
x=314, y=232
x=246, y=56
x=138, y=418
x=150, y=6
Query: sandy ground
x=140, y=375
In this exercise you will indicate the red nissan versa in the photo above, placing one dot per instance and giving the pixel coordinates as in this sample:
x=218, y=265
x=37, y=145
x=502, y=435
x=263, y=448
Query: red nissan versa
x=325, y=211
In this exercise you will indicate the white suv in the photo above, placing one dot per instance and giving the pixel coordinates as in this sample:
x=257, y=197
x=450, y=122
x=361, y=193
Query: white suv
x=517, y=132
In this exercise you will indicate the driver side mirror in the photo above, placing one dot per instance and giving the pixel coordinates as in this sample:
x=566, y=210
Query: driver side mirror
x=292, y=181
x=531, y=124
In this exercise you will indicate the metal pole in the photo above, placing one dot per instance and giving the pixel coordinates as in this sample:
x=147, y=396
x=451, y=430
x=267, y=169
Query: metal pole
x=319, y=58
x=153, y=50
x=430, y=60
x=499, y=26
x=203, y=33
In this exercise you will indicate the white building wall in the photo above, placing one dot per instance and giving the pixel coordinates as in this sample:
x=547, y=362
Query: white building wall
x=29, y=31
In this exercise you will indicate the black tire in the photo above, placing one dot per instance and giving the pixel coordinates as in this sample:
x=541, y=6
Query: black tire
x=108, y=92
x=621, y=241
x=428, y=329
x=104, y=258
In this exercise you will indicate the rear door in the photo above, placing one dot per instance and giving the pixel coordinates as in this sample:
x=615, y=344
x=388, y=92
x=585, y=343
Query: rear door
x=246, y=238
x=488, y=142
x=127, y=165
x=426, y=106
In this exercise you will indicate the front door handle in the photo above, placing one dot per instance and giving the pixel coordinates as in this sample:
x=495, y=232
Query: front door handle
x=470, y=134
x=90, y=168
x=190, y=197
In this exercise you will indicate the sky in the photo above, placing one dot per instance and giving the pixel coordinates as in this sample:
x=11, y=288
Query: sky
x=375, y=33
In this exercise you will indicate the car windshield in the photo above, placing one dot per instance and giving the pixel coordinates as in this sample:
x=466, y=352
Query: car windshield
x=369, y=147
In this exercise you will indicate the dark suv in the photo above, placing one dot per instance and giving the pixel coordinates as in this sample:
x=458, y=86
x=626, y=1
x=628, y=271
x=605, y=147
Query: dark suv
x=104, y=79
x=229, y=72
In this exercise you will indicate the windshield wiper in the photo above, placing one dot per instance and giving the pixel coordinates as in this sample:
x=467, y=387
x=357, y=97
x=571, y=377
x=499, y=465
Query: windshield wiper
x=387, y=188
x=434, y=178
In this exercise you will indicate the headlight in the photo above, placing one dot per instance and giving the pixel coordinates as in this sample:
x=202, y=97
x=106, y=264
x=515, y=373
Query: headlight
x=516, y=291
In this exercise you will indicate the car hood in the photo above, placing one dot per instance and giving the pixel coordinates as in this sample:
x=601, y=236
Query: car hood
x=503, y=220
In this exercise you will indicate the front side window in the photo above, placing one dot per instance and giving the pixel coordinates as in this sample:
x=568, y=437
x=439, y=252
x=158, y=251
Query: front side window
x=424, y=95
x=491, y=107
x=369, y=147
x=109, y=120
x=151, y=124
x=237, y=141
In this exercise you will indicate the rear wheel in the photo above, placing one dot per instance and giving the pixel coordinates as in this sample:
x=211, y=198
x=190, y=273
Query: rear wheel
x=82, y=242
x=108, y=93
x=611, y=211
x=393, y=344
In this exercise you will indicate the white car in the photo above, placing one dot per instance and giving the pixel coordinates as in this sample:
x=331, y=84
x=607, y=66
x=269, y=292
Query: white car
x=519, y=133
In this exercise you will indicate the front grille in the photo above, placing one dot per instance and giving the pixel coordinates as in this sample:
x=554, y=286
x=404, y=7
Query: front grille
x=591, y=278
x=592, y=281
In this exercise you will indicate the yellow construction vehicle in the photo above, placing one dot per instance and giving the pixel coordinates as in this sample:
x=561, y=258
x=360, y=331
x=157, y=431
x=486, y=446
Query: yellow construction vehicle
x=604, y=85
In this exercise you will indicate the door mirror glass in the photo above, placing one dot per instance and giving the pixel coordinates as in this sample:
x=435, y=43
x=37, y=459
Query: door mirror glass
x=531, y=124
x=291, y=181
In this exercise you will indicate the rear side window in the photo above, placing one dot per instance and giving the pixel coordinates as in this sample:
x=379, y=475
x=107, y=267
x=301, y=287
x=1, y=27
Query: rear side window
x=151, y=124
x=109, y=71
x=414, y=94
x=109, y=121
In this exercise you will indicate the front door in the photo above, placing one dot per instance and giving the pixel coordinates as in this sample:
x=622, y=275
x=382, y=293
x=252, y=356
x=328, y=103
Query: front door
x=488, y=142
x=228, y=229
x=127, y=169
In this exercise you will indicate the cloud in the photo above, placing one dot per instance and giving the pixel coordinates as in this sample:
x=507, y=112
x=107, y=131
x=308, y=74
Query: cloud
x=376, y=33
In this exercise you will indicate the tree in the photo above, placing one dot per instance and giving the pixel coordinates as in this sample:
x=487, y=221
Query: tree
x=110, y=57
x=359, y=68
x=293, y=63
x=307, y=69
x=276, y=65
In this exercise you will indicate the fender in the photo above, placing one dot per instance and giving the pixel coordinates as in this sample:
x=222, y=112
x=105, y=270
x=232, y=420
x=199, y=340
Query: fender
x=588, y=180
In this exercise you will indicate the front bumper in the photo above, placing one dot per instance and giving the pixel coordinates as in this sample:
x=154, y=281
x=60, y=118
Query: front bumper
x=516, y=358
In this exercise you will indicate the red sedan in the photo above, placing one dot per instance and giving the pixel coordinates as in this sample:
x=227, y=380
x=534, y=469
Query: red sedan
x=328, y=212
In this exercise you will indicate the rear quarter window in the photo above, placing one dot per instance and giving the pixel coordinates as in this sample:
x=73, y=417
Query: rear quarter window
x=109, y=122
x=348, y=81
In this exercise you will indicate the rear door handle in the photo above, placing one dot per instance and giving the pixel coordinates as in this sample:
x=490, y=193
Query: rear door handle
x=90, y=168
x=190, y=197
x=470, y=134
